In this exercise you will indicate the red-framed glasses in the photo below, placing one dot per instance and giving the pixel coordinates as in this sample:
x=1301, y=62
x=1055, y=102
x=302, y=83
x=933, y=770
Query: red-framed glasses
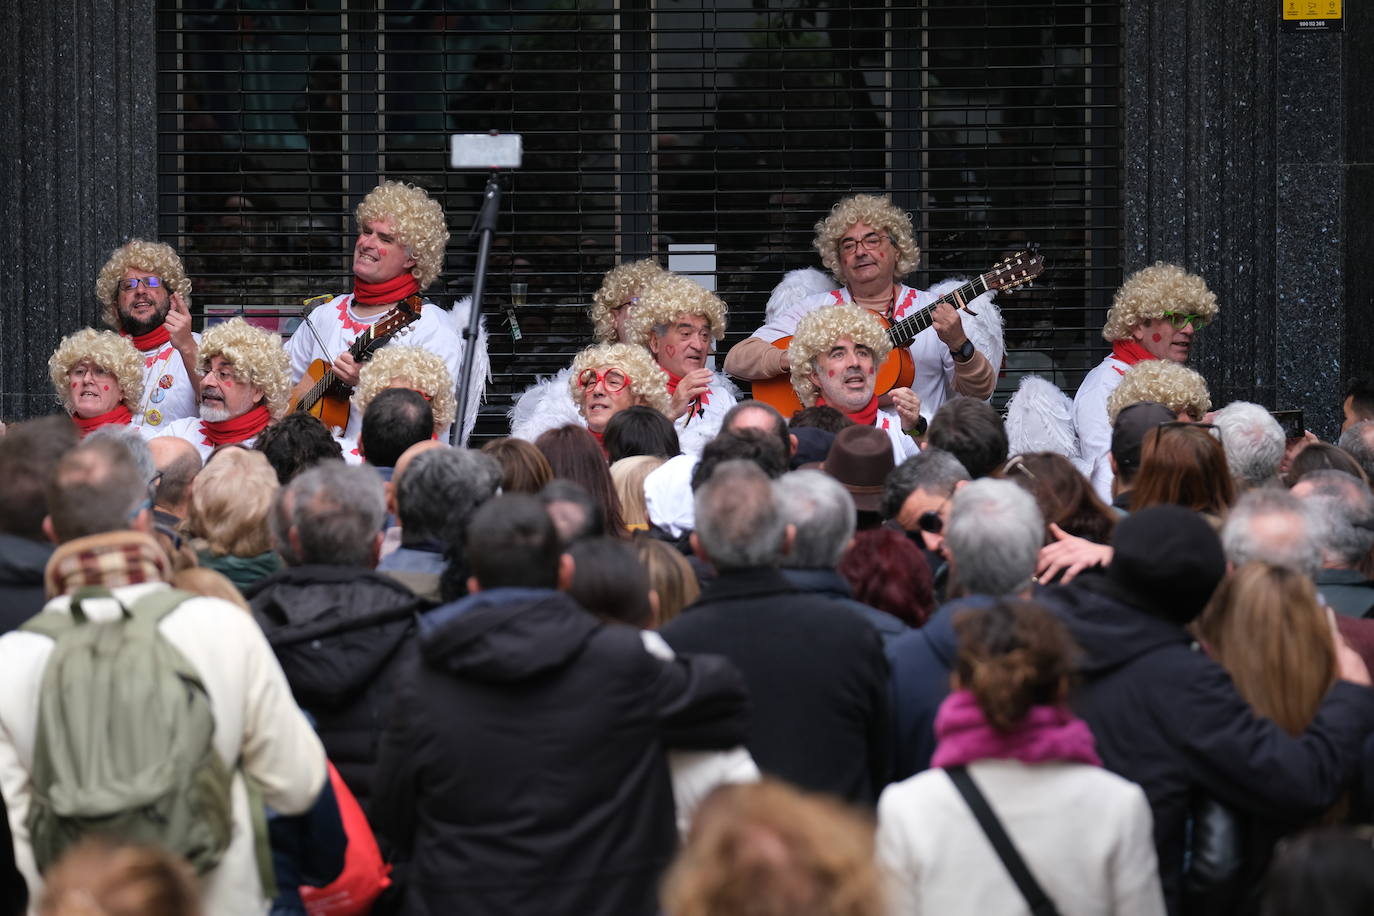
x=613, y=379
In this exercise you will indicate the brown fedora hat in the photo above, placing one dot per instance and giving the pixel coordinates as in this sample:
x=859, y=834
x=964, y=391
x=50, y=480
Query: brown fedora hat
x=861, y=459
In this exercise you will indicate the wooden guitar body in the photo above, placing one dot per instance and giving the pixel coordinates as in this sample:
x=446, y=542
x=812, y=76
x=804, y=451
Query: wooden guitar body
x=897, y=371
x=332, y=407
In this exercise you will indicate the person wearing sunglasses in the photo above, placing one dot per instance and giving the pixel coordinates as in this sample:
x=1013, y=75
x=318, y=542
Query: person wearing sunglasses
x=607, y=378
x=867, y=243
x=98, y=377
x=145, y=295
x=1154, y=316
x=547, y=404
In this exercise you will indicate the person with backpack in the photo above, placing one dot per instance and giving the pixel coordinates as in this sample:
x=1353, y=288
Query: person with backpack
x=157, y=716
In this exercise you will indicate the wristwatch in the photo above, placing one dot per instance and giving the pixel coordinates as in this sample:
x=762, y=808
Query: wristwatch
x=964, y=353
x=919, y=429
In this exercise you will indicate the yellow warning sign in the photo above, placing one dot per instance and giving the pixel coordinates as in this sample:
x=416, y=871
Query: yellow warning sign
x=1314, y=15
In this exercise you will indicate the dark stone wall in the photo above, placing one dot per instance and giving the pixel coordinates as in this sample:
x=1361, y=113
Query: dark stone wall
x=80, y=160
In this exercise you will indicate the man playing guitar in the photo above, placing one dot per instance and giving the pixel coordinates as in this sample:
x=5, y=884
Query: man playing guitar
x=399, y=252
x=867, y=243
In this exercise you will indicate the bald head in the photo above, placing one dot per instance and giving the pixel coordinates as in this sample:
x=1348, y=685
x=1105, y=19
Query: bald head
x=178, y=462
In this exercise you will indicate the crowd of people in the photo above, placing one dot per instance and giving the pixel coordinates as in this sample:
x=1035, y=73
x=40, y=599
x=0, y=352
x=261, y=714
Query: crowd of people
x=664, y=649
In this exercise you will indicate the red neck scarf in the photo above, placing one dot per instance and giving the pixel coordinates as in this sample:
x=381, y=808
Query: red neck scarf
x=153, y=339
x=1130, y=352
x=600, y=437
x=868, y=416
x=386, y=292
x=120, y=416
x=237, y=429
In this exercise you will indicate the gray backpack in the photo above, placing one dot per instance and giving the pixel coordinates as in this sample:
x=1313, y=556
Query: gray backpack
x=124, y=735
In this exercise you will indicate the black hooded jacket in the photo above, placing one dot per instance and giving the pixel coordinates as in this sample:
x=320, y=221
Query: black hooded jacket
x=523, y=770
x=21, y=579
x=339, y=634
x=1168, y=717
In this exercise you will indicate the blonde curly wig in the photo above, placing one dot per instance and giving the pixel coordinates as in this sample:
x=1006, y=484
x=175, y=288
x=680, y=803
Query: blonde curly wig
x=648, y=383
x=669, y=298
x=256, y=355
x=619, y=285
x=425, y=371
x=1164, y=382
x=1149, y=293
x=107, y=350
x=880, y=213
x=153, y=257
x=419, y=222
x=818, y=331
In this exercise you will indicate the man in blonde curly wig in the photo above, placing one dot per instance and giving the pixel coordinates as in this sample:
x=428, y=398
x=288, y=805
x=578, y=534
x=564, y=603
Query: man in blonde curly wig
x=547, y=404
x=833, y=358
x=1154, y=315
x=679, y=321
x=607, y=378
x=866, y=242
x=402, y=234
x=145, y=295
x=98, y=377
x=244, y=387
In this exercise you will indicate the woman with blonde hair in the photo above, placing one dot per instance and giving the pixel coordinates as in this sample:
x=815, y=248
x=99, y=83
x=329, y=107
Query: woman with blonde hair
x=98, y=377
x=670, y=576
x=230, y=502
x=628, y=476
x=1006, y=739
x=1266, y=627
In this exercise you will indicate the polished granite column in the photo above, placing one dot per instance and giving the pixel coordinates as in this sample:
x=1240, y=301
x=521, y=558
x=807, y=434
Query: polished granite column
x=80, y=171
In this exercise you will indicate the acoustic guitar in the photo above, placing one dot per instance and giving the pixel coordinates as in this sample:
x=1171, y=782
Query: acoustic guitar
x=898, y=370
x=322, y=394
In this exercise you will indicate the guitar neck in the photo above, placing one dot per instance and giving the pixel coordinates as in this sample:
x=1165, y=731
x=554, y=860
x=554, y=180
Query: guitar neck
x=903, y=332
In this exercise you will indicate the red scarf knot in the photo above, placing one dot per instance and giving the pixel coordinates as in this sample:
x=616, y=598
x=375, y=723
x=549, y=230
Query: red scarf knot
x=150, y=341
x=386, y=292
x=120, y=416
x=867, y=416
x=236, y=429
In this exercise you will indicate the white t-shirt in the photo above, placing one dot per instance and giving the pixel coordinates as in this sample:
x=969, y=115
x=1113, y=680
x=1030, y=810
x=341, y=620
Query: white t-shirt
x=337, y=327
x=168, y=394
x=1093, y=426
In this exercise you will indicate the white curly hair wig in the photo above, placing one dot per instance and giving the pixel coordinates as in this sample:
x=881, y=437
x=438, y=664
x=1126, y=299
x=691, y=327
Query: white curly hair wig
x=419, y=222
x=107, y=350
x=666, y=300
x=648, y=382
x=1149, y=293
x=620, y=285
x=256, y=355
x=426, y=373
x=1165, y=382
x=819, y=330
x=154, y=258
x=880, y=213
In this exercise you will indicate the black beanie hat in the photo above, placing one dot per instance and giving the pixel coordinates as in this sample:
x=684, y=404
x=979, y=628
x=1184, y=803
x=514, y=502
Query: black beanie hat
x=1169, y=559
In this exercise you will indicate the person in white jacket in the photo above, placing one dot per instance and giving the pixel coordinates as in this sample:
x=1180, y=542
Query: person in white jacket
x=1084, y=834
x=99, y=516
x=1154, y=315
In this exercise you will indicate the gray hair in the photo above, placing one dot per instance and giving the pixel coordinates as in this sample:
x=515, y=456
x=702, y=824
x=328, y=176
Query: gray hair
x=441, y=488
x=1358, y=441
x=994, y=536
x=933, y=470
x=336, y=511
x=738, y=520
x=132, y=440
x=822, y=512
x=1346, y=507
x=1273, y=526
x=1253, y=441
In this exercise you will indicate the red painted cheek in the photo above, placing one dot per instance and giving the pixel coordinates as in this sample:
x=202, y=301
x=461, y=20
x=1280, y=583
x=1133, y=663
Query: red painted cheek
x=872, y=369
x=670, y=350
x=104, y=387
x=1157, y=338
x=381, y=252
x=76, y=385
x=832, y=373
x=227, y=384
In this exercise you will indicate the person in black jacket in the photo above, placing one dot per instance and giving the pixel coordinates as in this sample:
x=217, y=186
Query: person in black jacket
x=523, y=769
x=338, y=627
x=28, y=453
x=1168, y=717
x=817, y=675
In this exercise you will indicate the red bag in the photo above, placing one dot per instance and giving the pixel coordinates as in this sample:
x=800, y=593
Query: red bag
x=364, y=875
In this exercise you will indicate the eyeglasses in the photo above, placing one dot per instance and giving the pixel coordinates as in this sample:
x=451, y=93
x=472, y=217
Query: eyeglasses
x=1015, y=463
x=613, y=379
x=628, y=302
x=1181, y=320
x=869, y=242
x=133, y=282
x=98, y=373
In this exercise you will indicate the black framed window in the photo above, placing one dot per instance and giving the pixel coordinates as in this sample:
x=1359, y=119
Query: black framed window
x=722, y=131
